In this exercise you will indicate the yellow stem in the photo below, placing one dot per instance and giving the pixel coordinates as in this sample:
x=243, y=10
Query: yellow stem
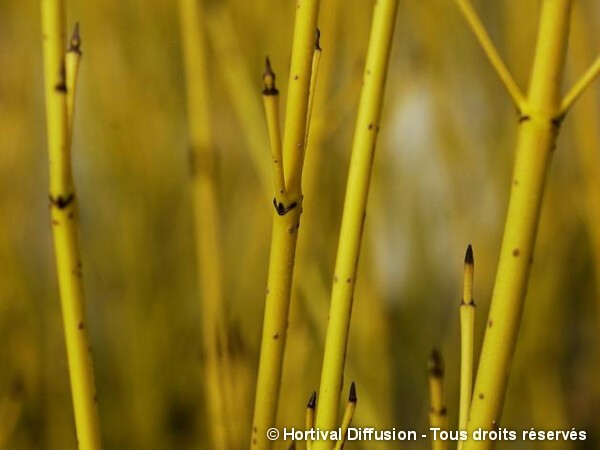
x=581, y=85
x=310, y=416
x=271, y=102
x=296, y=113
x=313, y=83
x=536, y=141
x=72, y=59
x=490, y=51
x=281, y=266
x=438, y=417
x=467, y=328
x=207, y=226
x=348, y=415
x=286, y=221
x=64, y=226
x=367, y=127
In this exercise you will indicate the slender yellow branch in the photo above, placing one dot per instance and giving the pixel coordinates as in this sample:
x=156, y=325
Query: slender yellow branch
x=579, y=87
x=64, y=226
x=467, y=329
x=271, y=102
x=286, y=221
x=72, y=59
x=310, y=416
x=206, y=218
x=538, y=131
x=438, y=417
x=313, y=82
x=367, y=127
x=490, y=51
x=348, y=415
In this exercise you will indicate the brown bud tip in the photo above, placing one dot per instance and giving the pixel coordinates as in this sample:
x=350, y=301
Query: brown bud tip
x=269, y=79
x=318, y=40
x=75, y=42
x=312, y=401
x=436, y=364
x=268, y=67
x=352, y=396
x=469, y=256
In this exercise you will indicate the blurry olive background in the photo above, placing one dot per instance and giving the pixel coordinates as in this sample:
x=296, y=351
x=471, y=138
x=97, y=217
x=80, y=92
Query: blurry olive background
x=441, y=181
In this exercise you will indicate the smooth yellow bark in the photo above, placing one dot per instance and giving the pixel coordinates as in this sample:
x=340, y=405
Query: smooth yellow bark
x=286, y=221
x=467, y=331
x=438, y=415
x=539, y=125
x=281, y=264
x=361, y=163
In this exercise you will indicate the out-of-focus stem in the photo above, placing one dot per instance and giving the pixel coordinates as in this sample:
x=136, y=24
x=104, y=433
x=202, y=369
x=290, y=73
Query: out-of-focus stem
x=206, y=219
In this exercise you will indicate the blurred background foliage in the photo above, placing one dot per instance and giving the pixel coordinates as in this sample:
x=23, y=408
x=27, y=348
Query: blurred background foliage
x=441, y=181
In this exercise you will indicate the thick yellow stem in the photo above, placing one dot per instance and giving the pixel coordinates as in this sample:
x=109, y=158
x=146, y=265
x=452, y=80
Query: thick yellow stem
x=286, y=221
x=281, y=265
x=536, y=141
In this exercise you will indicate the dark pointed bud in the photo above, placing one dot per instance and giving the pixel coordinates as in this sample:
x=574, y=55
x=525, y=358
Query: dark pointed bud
x=269, y=79
x=312, y=401
x=75, y=42
x=352, y=396
x=469, y=256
